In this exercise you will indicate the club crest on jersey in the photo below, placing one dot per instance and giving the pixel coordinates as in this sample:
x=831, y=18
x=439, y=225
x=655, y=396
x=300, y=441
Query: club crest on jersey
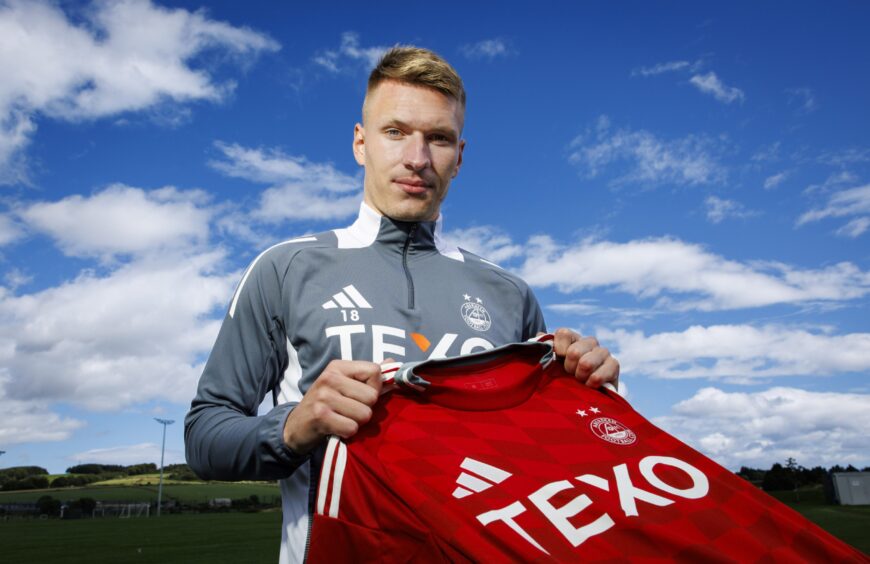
x=474, y=314
x=612, y=431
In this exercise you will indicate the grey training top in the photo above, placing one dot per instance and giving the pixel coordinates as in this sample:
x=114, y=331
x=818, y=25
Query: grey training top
x=377, y=289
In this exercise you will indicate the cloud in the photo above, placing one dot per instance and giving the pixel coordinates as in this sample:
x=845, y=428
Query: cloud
x=845, y=203
x=845, y=157
x=487, y=49
x=802, y=99
x=300, y=189
x=711, y=84
x=739, y=353
x=349, y=56
x=32, y=422
x=775, y=180
x=719, y=209
x=647, y=159
x=103, y=60
x=9, y=231
x=126, y=455
x=122, y=220
x=488, y=242
x=615, y=316
x=757, y=429
x=661, y=68
x=672, y=270
x=767, y=153
x=854, y=228
x=104, y=342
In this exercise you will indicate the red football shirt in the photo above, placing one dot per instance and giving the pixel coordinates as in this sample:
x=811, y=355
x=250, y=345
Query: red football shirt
x=502, y=456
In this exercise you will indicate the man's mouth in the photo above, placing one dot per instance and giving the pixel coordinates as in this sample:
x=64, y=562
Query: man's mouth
x=413, y=185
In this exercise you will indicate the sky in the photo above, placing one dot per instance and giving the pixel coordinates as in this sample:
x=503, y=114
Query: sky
x=689, y=183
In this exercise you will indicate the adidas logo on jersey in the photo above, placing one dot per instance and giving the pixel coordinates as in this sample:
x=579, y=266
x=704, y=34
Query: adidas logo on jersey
x=348, y=298
x=482, y=478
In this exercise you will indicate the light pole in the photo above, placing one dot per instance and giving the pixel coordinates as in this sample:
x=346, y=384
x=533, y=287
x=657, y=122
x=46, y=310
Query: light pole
x=163, y=422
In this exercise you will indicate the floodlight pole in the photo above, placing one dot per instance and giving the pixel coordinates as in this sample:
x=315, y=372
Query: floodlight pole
x=163, y=422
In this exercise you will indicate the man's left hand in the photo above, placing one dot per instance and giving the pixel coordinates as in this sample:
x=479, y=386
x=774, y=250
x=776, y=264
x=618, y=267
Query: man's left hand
x=588, y=361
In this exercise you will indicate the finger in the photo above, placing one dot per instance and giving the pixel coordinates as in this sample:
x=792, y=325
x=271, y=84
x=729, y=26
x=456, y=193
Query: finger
x=576, y=351
x=562, y=340
x=351, y=409
x=362, y=392
x=338, y=372
x=607, y=372
x=338, y=424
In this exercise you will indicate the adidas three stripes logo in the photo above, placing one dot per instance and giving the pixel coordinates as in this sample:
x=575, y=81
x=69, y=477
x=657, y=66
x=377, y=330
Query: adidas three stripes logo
x=348, y=298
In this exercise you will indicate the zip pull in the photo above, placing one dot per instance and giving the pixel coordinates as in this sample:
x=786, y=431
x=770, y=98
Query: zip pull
x=410, y=280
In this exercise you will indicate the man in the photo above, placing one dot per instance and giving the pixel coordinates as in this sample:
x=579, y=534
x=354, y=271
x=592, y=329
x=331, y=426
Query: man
x=313, y=316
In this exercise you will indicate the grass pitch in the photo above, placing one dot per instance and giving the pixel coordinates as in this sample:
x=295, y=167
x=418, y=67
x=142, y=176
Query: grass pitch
x=216, y=538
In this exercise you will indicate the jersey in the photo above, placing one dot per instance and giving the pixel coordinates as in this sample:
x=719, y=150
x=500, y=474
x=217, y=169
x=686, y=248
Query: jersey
x=377, y=289
x=502, y=456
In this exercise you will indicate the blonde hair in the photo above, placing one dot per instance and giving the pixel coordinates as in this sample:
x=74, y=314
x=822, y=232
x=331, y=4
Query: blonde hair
x=417, y=66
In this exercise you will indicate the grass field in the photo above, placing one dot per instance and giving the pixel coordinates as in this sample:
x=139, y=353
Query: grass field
x=191, y=492
x=250, y=537
x=216, y=538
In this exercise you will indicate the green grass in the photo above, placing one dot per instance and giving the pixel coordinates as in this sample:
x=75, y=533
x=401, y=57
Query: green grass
x=190, y=492
x=246, y=537
x=851, y=523
x=215, y=538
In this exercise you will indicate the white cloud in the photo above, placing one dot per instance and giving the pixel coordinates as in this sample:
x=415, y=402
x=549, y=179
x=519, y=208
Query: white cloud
x=670, y=270
x=9, y=231
x=845, y=157
x=647, y=159
x=845, y=203
x=141, y=453
x=767, y=153
x=661, y=68
x=854, y=228
x=349, y=55
x=719, y=209
x=122, y=219
x=757, y=429
x=487, y=49
x=615, y=316
x=300, y=189
x=103, y=342
x=775, y=180
x=32, y=421
x=488, y=242
x=102, y=60
x=803, y=99
x=739, y=353
x=711, y=84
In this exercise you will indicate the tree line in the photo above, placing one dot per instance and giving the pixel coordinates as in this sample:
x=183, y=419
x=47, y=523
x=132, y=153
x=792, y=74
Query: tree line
x=36, y=477
x=791, y=475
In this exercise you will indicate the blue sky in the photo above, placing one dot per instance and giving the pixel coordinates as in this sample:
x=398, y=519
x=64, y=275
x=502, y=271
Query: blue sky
x=689, y=183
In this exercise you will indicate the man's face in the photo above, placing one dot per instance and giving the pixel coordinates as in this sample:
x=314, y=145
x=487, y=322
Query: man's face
x=410, y=148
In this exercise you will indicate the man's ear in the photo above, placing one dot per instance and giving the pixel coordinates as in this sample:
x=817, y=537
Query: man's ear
x=359, y=144
x=459, y=160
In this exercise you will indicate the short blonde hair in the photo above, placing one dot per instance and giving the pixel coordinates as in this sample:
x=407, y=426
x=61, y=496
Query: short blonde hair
x=418, y=66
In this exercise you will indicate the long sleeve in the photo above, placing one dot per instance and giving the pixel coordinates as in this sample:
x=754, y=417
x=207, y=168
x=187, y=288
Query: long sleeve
x=224, y=437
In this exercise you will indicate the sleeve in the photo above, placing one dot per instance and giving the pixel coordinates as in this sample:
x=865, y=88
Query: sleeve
x=224, y=437
x=533, y=319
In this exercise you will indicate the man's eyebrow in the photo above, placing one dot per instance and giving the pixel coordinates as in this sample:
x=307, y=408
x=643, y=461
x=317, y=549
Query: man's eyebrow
x=446, y=129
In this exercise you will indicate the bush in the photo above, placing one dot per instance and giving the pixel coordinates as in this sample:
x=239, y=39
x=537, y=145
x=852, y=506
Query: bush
x=29, y=483
x=48, y=506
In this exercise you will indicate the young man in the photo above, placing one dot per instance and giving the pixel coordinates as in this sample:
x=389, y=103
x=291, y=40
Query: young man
x=313, y=316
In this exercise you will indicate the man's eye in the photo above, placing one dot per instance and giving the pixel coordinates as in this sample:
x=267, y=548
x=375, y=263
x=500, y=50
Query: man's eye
x=393, y=132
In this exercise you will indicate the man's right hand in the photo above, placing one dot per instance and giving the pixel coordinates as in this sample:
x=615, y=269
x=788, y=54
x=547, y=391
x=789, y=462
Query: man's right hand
x=339, y=401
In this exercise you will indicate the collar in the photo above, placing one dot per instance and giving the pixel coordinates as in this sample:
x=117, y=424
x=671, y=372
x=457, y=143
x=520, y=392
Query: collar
x=371, y=227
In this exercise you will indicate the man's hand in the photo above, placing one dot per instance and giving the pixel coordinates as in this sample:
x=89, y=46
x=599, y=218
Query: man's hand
x=338, y=402
x=589, y=362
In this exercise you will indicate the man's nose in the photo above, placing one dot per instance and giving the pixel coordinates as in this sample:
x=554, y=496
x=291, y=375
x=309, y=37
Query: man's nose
x=417, y=155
